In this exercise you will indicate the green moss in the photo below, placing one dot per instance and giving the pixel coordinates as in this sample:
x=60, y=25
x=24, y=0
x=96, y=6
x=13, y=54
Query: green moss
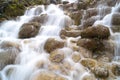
x=14, y=10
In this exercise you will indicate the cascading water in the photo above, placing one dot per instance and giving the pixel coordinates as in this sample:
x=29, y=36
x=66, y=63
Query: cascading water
x=32, y=50
x=33, y=59
x=107, y=20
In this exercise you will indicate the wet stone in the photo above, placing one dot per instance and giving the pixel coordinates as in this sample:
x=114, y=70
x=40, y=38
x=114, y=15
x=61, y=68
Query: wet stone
x=101, y=72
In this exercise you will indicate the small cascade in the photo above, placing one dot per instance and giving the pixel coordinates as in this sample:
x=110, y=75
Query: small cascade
x=107, y=20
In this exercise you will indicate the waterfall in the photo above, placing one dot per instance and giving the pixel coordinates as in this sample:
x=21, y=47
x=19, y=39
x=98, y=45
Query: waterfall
x=31, y=58
x=32, y=49
x=107, y=20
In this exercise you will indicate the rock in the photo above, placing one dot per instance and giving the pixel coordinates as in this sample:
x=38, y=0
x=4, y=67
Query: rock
x=109, y=46
x=101, y=72
x=90, y=12
x=115, y=28
x=67, y=21
x=65, y=2
x=103, y=58
x=116, y=19
x=89, y=77
x=76, y=16
x=82, y=5
x=47, y=75
x=52, y=44
x=9, y=45
x=8, y=53
x=65, y=7
x=116, y=69
x=90, y=44
x=72, y=33
x=89, y=63
x=85, y=52
x=29, y=30
x=57, y=56
x=54, y=67
x=98, y=31
x=89, y=22
x=76, y=56
x=40, y=19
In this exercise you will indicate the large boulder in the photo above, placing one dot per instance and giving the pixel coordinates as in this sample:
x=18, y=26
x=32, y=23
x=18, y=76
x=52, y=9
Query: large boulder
x=116, y=19
x=57, y=56
x=90, y=44
x=99, y=31
x=8, y=53
x=47, y=75
x=52, y=44
x=29, y=30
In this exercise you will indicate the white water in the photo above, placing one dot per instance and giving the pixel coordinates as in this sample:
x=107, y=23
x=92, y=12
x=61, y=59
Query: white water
x=107, y=21
x=32, y=52
x=32, y=55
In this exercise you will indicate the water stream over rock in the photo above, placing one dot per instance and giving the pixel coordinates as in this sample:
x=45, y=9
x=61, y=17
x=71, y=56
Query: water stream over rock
x=45, y=44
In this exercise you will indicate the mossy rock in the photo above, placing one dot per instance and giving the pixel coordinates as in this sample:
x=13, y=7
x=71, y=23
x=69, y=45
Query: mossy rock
x=14, y=10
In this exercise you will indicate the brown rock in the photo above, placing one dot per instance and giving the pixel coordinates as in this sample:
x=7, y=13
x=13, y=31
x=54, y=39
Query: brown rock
x=40, y=19
x=101, y=72
x=9, y=45
x=76, y=56
x=76, y=16
x=89, y=22
x=90, y=12
x=90, y=44
x=98, y=31
x=89, y=63
x=47, y=75
x=72, y=33
x=57, y=56
x=8, y=54
x=116, y=19
x=85, y=52
x=82, y=5
x=116, y=69
x=52, y=44
x=116, y=28
x=29, y=30
x=89, y=77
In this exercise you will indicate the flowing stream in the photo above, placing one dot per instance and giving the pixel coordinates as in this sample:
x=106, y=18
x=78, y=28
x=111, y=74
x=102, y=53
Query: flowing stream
x=32, y=50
